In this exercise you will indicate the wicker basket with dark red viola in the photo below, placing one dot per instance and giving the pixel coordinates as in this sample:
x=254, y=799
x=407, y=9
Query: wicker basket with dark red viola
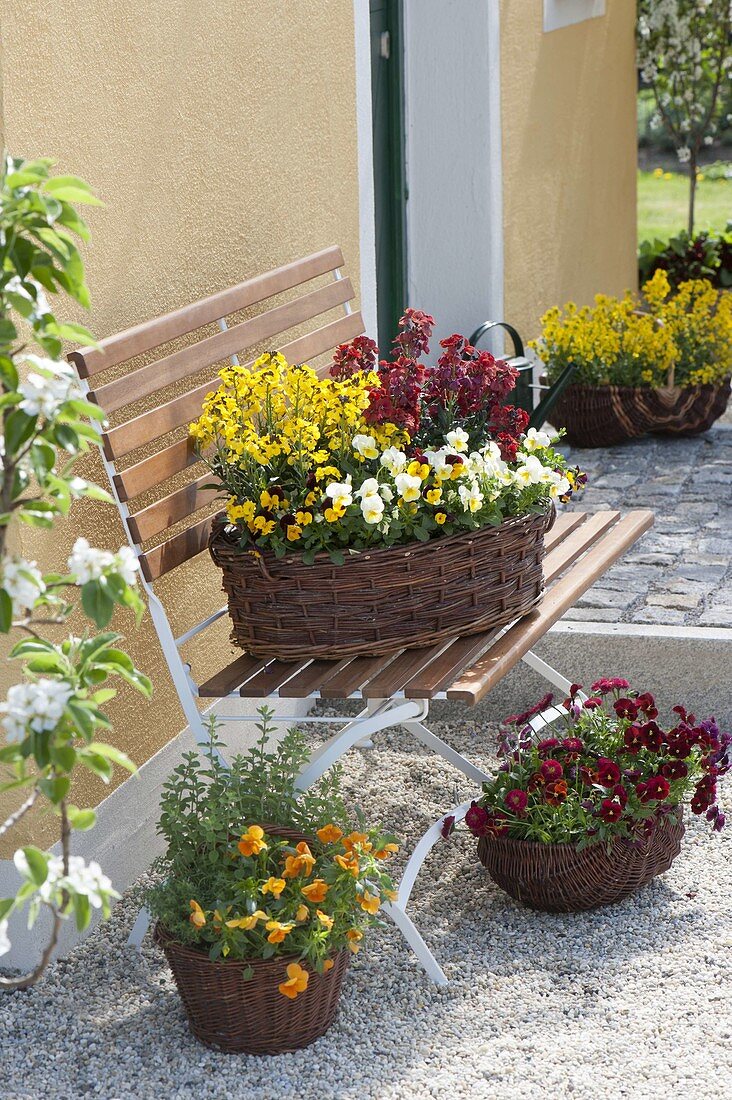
x=385, y=506
x=590, y=812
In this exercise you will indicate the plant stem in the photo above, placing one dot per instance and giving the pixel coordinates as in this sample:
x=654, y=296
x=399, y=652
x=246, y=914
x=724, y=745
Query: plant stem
x=14, y=818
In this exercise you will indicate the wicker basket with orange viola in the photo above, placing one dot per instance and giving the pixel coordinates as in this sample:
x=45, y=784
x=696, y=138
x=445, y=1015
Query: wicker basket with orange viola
x=265, y=893
x=583, y=816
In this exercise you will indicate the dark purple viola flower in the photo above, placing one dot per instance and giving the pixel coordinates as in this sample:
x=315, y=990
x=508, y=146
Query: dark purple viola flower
x=448, y=825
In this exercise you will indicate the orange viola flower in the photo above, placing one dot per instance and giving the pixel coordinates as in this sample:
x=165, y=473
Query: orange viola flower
x=324, y=919
x=277, y=931
x=297, y=981
x=354, y=936
x=301, y=864
x=197, y=917
x=348, y=863
x=386, y=851
x=328, y=965
x=316, y=890
x=247, y=923
x=369, y=902
x=329, y=834
x=252, y=842
x=354, y=839
x=302, y=913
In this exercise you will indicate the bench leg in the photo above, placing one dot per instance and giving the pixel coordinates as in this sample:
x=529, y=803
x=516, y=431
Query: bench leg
x=139, y=928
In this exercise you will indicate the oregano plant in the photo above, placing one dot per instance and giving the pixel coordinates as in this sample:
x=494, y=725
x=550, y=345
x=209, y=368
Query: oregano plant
x=52, y=720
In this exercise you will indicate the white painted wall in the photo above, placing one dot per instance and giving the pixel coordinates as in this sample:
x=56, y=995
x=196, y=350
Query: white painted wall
x=454, y=208
x=361, y=23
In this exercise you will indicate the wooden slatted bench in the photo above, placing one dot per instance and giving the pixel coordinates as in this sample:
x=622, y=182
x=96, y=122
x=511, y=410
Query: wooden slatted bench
x=147, y=452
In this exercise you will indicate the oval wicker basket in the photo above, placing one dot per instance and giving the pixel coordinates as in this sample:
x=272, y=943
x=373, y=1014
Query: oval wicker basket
x=242, y=1015
x=559, y=879
x=601, y=416
x=385, y=599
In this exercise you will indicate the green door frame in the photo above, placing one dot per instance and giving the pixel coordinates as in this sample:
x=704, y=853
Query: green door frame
x=390, y=184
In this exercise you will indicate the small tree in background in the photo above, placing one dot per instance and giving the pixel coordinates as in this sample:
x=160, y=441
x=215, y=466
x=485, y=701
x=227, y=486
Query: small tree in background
x=50, y=720
x=685, y=56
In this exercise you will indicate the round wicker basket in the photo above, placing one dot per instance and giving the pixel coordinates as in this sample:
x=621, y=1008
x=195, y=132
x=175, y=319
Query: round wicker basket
x=602, y=416
x=559, y=879
x=385, y=599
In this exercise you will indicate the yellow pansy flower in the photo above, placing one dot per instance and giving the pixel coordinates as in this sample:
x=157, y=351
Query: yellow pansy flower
x=354, y=936
x=300, y=864
x=324, y=919
x=369, y=902
x=247, y=923
x=316, y=890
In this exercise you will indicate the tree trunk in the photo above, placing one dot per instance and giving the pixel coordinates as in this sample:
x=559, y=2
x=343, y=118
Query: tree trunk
x=692, y=193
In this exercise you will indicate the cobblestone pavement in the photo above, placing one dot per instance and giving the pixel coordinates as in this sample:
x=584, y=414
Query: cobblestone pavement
x=680, y=573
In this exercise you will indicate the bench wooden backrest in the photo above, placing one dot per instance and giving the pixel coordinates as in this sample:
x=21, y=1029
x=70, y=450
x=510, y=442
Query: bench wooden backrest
x=171, y=457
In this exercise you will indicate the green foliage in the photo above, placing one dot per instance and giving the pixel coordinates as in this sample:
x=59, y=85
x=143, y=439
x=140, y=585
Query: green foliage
x=704, y=256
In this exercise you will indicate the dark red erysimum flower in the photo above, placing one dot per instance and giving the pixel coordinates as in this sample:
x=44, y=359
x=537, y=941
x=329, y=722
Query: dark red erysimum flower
x=556, y=793
x=551, y=770
x=476, y=819
x=608, y=772
x=675, y=769
x=647, y=704
x=593, y=703
x=610, y=810
x=448, y=825
x=625, y=708
x=655, y=789
x=516, y=801
x=549, y=744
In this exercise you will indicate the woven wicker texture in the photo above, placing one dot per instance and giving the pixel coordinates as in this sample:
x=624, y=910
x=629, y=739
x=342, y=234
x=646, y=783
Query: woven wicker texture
x=378, y=601
x=559, y=879
x=251, y=1016
x=601, y=416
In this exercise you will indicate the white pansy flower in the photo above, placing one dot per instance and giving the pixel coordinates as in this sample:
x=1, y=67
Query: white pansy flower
x=534, y=440
x=394, y=460
x=476, y=463
x=458, y=439
x=559, y=487
x=530, y=473
x=23, y=582
x=409, y=486
x=38, y=704
x=365, y=445
x=368, y=488
x=372, y=508
x=4, y=941
x=340, y=493
x=471, y=497
x=387, y=493
x=47, y=388
x=438, y=461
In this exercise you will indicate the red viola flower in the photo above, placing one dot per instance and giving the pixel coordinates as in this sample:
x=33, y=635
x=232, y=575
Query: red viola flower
x=587, y=776
x=593, y=703
x=675, y=769
x=625, y=708
x=652, y=736
x=521, y=719
x=655, y=789
x=516, y=801
x=633, y=739
x=610, y=810
x=608, y=772
x=679, y=744
x=647, y=704
x=476, y=819
x=551, y=770
x=448, y=825
x=496, y=823
x=572, y=744
x=605, y=685
x=556, y=793
x=620, y=793
x=536, y=781
x=574, y=689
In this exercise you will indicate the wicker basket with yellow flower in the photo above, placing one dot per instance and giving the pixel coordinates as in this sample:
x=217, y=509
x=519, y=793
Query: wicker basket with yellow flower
x=386, y=505
x=661, y=368
x=264, y=895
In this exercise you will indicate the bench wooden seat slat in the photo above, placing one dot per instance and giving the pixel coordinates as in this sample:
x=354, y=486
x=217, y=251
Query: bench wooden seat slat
x=166, y=418
x=271, y=678
x=176, y=550
x=401, y=670
x=231, y=678
x=354, y=676
x=176, y=506
x=441, y=672
x=192, y=359
x=141, y=338
x=311, y=679
x=576, y=543
x=157, y=468
x=516, y=642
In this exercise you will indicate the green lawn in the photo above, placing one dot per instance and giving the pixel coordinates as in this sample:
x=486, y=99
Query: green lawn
x=663, y=205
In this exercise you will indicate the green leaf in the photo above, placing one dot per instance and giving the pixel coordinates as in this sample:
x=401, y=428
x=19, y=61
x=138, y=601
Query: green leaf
x=97, y=764
x=6, y=906
x=6, y=612
x=72, y=189
x=81, y=819
x=64, y=756
x=81, y=717
x=82, y=911
x=55, y=789
x=8, y=331
x=113, y=754
x=19, y=427
x=8, y=370
x=66, y=437
x=37, y=864
x=97, y=604
x=47, y=662
x=69, y=330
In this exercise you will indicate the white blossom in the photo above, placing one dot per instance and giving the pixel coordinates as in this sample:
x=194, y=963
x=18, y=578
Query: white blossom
x=4, y=941
x=86, y=879
x=36, y=703
x=47, y=388
x=23, y=582
x=88, y=563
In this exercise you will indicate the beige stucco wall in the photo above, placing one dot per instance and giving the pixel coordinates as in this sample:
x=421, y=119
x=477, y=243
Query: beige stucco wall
x=569, y=141
x=221, y=136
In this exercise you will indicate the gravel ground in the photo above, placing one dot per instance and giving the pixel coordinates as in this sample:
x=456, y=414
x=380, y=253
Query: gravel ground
x=633, y=1001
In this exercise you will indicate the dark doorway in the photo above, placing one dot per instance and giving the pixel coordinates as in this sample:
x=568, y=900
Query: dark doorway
x=387, y=93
